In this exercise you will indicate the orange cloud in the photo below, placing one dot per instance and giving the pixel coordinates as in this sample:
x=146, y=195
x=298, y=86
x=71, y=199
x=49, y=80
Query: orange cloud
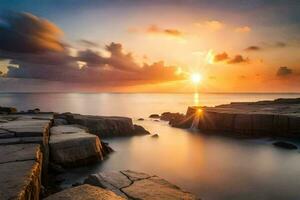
x=243, y=29
x=221, y=57
x=238, y=59
x=224, y=57
x=212, y=25
x=154, y=29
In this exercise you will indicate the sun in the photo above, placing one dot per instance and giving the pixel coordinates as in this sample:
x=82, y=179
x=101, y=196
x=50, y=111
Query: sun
x=196, y=78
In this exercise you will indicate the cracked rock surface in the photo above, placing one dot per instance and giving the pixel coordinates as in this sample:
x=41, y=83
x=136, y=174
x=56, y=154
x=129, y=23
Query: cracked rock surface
x=23, y=154
x=85, y=192
x=137, y=185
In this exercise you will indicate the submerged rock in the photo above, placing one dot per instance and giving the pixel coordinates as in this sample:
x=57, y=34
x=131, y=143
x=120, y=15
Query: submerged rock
x=285, y=145
x=138, y=185
x=85, y=192
x=72, y=146
x=155, y=116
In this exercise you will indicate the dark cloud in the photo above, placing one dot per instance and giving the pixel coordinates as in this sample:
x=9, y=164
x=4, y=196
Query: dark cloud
x=26, y=33
x=37, y=53
x=238, y=59
x=280, y=44
x=221, y=57
x=154, y=29
x=284, y=71
x=88, y=43
x=253, y=48
x=225, y=57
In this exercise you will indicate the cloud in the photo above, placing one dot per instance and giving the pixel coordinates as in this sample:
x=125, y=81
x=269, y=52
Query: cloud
x=243, y=29
x=26, y=33
x=253, y=48
x=88, y=43
x=284, y=71
x=221, y=57
x=280, y=44
x=225, y=57
x=238, y=59
x=212, y=25
x=47, y=62
x=154, y=29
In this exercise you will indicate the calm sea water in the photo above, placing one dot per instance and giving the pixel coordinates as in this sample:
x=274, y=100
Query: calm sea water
x=213, y=167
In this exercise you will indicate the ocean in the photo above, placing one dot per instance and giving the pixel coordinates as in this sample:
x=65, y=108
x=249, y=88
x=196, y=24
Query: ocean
x=213, y=167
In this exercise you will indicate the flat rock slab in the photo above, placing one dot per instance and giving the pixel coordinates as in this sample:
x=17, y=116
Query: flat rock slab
x=85, y=192
x=20, y=180
x=66, y=129
x=137, y=185
x=72, y=146
x=18, y=152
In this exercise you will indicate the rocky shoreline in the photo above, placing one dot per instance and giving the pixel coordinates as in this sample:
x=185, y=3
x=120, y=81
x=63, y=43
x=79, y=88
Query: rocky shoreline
x=278, y=118
x=36, y=145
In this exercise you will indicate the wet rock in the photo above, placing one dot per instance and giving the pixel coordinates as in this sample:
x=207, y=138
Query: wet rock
x=85, y=192
x=155, y=116
x=72, y=146
x=285, y=145
x=155, y=136
x=137, y=185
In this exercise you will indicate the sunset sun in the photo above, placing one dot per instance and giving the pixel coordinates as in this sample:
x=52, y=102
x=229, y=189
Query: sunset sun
x=196, y=78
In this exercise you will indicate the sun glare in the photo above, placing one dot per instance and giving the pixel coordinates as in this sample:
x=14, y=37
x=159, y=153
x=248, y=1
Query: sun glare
x=196, y=78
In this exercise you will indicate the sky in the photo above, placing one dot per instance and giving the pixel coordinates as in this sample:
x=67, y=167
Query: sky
x=149, y=46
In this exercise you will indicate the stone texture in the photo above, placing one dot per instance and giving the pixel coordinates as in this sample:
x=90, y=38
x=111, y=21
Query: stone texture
x=23, y=154
x=155, y=188
x=20, y=171
x=137, y=185
x=103, y=126
x=72, y=146
x=85, y=192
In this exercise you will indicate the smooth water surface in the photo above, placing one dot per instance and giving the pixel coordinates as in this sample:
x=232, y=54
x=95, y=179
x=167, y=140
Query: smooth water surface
x=213, y=167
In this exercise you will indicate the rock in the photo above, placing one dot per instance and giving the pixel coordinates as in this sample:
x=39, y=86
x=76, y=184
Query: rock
x=168, y=116
x=181, y=121
x=71, y=146
x=141, y=119
x=285, y=145
x=20, y=171
x=103, y=126
x=58, y=121
x=155, y=116
x=139, y=130
x=85, y=192
x=138, y=185
x=8, y=110
x=155, y=188
x=155, y=136
x=56, y=168
x=106, y=148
